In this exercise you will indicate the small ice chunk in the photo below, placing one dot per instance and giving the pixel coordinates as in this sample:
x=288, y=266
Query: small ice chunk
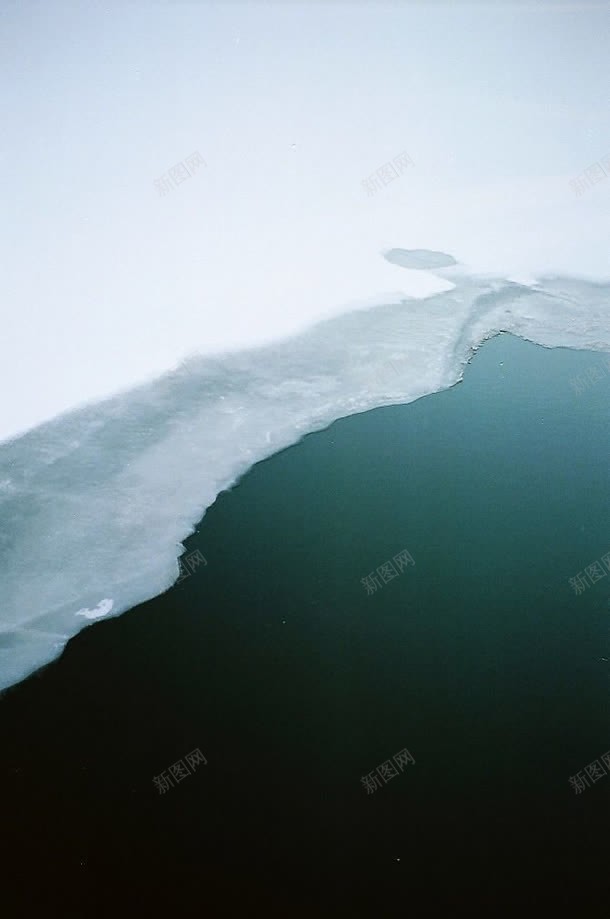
x=103, y=607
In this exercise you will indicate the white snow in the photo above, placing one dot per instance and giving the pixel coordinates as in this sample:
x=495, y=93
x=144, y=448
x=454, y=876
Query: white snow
x=105, y=284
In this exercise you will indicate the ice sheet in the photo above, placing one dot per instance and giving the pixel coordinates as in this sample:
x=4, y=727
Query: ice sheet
x=96, y=504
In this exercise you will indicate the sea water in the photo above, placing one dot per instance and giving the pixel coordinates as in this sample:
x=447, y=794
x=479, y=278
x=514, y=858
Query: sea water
x=296, y=682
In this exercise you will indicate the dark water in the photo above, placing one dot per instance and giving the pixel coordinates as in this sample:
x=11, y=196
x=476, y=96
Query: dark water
x=294, y=683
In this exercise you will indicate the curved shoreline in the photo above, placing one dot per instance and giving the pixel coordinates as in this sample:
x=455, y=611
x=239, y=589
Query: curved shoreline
x=125, y=482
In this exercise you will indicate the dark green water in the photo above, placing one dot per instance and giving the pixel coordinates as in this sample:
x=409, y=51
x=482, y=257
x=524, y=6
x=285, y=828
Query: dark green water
x=294, y=683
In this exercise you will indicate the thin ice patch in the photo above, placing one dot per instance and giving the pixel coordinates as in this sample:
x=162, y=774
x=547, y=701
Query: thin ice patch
x=421, y=259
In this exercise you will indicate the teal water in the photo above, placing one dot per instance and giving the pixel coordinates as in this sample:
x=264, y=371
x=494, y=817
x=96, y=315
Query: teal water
x=479, y=659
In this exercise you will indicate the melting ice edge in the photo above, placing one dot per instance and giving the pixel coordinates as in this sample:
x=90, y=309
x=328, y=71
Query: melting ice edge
x=95, y=504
